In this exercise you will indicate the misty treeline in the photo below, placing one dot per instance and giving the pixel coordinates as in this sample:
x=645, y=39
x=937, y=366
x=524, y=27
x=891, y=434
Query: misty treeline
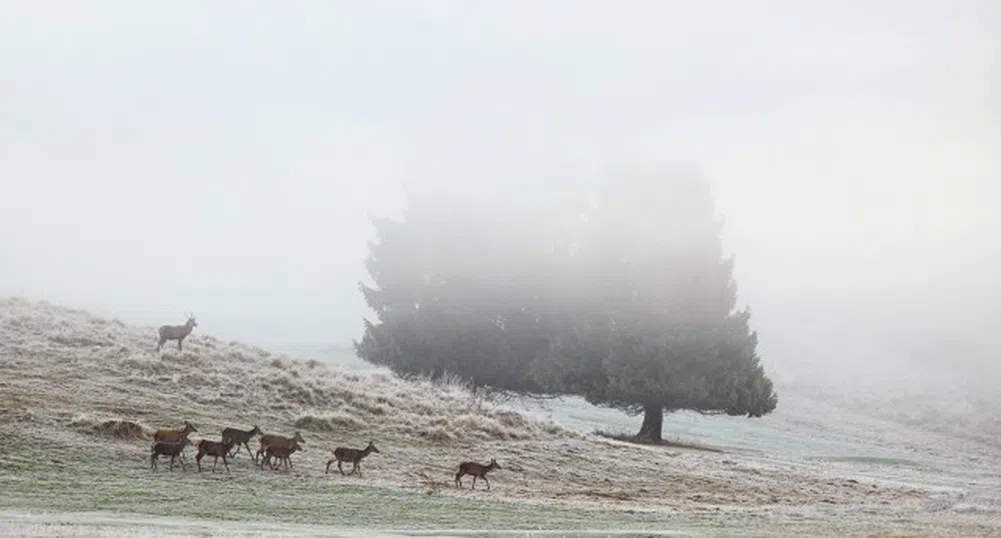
x=619, y=292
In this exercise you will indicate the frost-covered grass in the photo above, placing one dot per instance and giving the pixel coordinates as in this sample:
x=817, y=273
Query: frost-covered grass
x=81, y=395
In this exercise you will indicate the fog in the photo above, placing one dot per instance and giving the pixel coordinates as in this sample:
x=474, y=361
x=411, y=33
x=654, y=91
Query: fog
x=224, y=157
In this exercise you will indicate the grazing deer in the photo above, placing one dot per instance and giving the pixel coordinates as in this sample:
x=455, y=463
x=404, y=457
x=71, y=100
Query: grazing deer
x=167, y=448
x=213, y=448
x=240, y=437
x=279, y=442
x=477, y=470
x=176, y=332
x=350, y=455
x=173, y=436
x=282, y=454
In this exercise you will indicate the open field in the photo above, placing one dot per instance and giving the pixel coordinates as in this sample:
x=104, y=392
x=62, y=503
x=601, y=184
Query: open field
x=81, y=393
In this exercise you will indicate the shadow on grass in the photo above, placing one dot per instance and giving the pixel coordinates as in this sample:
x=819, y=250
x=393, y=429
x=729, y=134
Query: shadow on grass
x=663, y=442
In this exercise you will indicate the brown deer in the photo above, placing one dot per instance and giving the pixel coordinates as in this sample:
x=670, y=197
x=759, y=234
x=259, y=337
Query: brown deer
x=173, y=436
x=176, y=332
x=477, y=470
x=282, y=454
x=213, y=448
x=167, y=448
x=350, y=455
x=240, y=437
x=278, y=441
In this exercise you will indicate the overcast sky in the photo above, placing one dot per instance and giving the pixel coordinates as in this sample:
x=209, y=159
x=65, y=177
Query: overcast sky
x=223, y=157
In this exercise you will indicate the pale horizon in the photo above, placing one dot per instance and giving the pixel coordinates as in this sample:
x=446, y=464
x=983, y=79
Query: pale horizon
x=224, y=158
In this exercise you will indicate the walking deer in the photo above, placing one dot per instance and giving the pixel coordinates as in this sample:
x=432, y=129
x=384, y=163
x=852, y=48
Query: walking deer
x=279, y=441
x=350, y=455
x=174, y=436
x=176, y=332
x=167, y=448
x=240, y=437
x=477, y=470
x=282, y=454
x=213, y=448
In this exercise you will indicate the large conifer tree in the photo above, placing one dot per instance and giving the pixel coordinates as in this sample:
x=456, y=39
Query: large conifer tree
x=653, y=326
x=632, y=306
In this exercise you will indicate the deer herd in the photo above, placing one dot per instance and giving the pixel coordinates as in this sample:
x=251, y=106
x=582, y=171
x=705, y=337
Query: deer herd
x=274, y=450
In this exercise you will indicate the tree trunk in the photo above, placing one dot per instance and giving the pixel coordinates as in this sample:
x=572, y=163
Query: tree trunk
x=653, y=423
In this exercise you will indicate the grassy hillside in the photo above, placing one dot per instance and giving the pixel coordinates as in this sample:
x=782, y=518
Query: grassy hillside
x=81, y=394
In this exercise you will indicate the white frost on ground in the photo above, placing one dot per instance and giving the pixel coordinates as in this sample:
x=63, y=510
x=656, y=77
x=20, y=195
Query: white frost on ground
x=81, y=381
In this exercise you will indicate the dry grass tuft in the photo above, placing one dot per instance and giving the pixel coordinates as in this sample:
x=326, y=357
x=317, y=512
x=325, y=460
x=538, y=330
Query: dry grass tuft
x=126, y=430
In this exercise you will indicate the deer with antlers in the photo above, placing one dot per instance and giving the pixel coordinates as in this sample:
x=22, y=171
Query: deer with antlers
x=176, y=332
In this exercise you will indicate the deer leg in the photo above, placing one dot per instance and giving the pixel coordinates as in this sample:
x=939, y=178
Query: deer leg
x=179, y=343
x=328, y=466
x=474, y=481
x=214, y=463
x=224, y=463
x=183, y=468
x=487, y=481
x=172, y=463
x=152, y=461
x=339, y=468
x=198, y=460
x=458, y=479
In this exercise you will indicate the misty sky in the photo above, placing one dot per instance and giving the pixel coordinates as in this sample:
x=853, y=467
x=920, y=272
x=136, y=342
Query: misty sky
x=223, y=157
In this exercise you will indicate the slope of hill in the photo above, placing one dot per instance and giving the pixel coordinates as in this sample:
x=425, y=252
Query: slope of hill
x=80, y=395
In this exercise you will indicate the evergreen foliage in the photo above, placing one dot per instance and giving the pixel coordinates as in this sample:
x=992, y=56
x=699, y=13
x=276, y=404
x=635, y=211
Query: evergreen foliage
x=628, y=302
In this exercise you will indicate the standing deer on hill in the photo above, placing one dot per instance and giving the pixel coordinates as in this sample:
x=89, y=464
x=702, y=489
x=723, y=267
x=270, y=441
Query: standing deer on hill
x=350, y=455
x=176, y=332
x=477, y=470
